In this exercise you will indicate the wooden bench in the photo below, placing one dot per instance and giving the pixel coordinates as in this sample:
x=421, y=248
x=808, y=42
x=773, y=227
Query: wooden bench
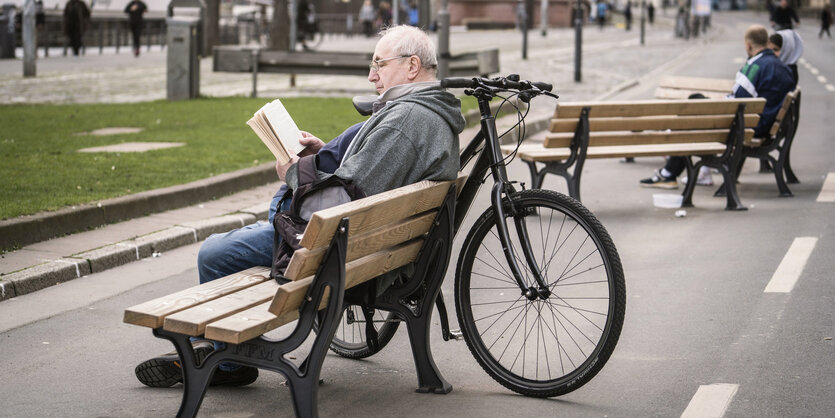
x=780, y=136
x=233, y=58
x=343, y=247
x=780, y=139
x=713, y=130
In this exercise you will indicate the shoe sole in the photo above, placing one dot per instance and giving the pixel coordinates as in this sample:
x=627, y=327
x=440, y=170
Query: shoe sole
x=660, y=186
x=158, y=373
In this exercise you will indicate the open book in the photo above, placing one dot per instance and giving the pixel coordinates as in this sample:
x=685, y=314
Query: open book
x=277, y=130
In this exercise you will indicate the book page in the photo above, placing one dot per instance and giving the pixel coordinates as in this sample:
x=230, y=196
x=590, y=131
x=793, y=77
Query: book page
x=258, y=125
x=285, y=129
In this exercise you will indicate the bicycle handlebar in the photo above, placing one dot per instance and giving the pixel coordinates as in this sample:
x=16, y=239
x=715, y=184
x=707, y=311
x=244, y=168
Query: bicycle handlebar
x=499, y=82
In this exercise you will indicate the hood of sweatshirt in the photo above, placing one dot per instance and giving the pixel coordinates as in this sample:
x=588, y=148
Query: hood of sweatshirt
x=437, y=100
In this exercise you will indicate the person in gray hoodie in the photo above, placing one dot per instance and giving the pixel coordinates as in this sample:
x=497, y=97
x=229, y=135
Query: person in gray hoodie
x=412, y=135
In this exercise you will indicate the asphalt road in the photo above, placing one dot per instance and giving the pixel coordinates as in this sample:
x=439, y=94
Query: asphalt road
x=697, y=314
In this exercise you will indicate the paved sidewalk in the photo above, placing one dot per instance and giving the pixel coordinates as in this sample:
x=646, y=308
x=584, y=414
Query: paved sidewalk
x=613, y=60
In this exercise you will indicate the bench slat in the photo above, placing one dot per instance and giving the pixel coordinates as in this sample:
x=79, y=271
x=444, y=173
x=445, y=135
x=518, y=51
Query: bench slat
x=697, y=83
x=193, y=321
x=305, y=262
x=561, y=140
x=289, y=296
x=659, y=107
x=680, y=94
x=248, y=324
x=151, y=314
x=673, y=122
x=375, y=211
x=557, y=154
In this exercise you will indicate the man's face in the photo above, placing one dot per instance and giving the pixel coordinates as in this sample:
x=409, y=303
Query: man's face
x=784, y=3
x=391, y=72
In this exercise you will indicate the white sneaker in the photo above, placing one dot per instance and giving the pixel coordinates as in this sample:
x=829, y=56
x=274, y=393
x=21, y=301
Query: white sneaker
x=705, y=178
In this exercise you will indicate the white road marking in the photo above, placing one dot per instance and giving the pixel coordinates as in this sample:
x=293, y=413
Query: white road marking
x=822, y=79
x=711, y=401
x=830, y=87
x=814, y=70
x=789, y=270
x=827, y=193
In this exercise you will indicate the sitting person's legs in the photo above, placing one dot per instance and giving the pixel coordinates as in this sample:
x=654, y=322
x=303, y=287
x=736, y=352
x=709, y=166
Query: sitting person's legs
x=219, y=256
x=666, y=177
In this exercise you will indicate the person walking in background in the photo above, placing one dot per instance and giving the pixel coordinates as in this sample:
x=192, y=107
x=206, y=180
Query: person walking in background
x=367, y=16
x=384, y=12
x=627, y=15
x=414, y=14
x=602, y=8
x=135, y=9
x=651, y=13
x=826, y=20
x=76, y=15
x=783, y=15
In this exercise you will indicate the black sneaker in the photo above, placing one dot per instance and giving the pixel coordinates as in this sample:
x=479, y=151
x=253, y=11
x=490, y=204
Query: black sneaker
x=165, y=371
x=660, y=182
x=241, y=376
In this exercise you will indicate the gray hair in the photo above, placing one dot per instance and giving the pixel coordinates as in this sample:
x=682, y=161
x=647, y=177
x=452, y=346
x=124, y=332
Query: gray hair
x=409, y=40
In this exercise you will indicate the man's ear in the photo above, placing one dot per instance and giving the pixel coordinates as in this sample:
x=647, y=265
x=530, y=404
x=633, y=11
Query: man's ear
x=414, y=67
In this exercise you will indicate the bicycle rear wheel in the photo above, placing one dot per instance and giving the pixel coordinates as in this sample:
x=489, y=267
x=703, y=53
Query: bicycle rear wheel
x=349, y=340
x=550, y=347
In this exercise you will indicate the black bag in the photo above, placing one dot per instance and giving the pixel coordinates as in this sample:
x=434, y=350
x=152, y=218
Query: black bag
x=311, y=195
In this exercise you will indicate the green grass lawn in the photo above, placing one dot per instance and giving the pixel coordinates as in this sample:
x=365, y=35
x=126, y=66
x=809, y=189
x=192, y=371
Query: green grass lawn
x=40, y=168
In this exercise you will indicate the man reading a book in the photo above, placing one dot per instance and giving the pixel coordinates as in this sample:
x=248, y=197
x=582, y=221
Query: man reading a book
x=411, y=135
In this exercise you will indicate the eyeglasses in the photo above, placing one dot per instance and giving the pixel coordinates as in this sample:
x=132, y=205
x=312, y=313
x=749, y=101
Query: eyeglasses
x=375, y=64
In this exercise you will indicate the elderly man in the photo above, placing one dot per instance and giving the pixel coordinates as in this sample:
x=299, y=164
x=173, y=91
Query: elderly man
x=412, y=135
x=763, y=75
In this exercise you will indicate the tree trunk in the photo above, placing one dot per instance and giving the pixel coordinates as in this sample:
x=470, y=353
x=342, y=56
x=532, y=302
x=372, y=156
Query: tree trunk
x=280, y=26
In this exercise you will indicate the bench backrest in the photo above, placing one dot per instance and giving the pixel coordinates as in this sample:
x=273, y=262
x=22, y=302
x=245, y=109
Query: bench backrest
x=386, y=232
x=652, y=121
x=791, y=97
x=680, y=87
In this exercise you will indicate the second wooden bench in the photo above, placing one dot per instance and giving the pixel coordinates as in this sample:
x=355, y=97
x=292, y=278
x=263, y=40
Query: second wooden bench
x=713, y=130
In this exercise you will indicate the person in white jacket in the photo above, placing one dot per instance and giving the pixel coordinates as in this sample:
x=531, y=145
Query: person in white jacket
x=788, y=46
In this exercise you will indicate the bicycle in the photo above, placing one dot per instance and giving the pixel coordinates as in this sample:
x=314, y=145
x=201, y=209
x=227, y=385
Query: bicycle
x=540, y=300
x=307, y=24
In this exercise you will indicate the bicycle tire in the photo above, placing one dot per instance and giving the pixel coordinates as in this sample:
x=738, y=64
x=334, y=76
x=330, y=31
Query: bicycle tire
x=312, y=42
x=586, y=306
x=349, y=338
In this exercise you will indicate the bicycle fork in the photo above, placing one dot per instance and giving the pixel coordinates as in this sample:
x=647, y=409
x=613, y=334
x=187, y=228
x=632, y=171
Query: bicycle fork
x=502, y=186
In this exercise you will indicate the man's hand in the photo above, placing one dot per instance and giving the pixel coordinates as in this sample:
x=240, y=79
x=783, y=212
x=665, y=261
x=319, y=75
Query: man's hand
x=312, y=145
x=281, y=169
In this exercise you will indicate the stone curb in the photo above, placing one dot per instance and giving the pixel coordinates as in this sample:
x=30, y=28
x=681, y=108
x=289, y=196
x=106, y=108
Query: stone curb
x=97, y=260
x=26, y=230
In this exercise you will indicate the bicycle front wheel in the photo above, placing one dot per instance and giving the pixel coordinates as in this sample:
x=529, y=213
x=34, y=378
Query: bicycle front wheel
x=542, y=347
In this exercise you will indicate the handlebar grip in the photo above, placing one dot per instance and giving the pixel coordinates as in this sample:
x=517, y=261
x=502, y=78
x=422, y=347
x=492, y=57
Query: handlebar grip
x=542, y=86
x=458, y=83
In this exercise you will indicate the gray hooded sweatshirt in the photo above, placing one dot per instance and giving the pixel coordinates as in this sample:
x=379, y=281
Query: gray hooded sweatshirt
x=411, y=138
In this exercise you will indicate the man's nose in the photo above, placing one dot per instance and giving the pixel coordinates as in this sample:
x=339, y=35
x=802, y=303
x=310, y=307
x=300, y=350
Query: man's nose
x=372, y=75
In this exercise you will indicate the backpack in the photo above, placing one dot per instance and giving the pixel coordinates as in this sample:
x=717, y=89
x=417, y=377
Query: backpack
x=311, y=195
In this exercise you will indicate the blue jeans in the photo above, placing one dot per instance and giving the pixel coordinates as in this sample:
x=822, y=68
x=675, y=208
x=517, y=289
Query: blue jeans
x=239, y=249
x=236, y=250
